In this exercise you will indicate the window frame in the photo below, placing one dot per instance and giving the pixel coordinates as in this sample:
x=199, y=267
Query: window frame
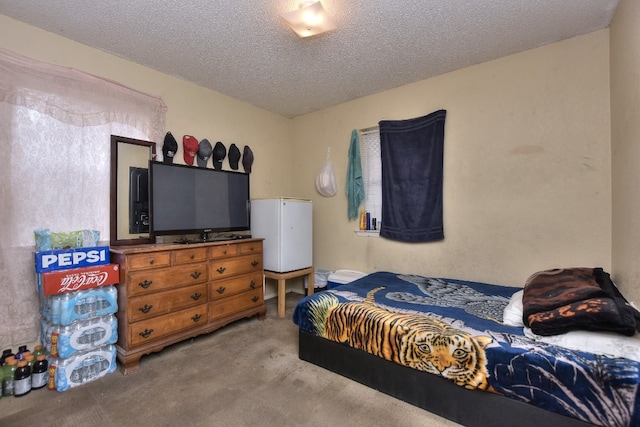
x=371, y=162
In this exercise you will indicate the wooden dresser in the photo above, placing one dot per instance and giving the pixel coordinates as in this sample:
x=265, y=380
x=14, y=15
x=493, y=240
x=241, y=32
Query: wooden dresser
x=170, y=292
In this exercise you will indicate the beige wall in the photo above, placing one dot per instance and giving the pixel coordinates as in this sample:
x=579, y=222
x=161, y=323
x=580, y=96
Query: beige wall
x=191, y=109
x=526, y=173
x=527, y=155
x=625, y=146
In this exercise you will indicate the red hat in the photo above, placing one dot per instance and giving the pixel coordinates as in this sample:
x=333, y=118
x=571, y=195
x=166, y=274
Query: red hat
x=190, y=147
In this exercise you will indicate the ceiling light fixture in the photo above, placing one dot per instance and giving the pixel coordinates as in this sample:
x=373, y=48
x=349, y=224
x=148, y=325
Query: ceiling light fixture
x=309, y=20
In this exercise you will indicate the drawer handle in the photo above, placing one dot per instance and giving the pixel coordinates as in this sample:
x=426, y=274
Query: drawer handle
x=195, y=274
x=224, y=252
x=196, y=296
x=145, y=284
x=221, y=270
x=145, y=308
x=221, y=289
x=252, y=285
x=251, y=248
x=151, y=261
x=254, y=263
x=146, y=333
x=192, y=256
x=196, y=318
x=255, y=298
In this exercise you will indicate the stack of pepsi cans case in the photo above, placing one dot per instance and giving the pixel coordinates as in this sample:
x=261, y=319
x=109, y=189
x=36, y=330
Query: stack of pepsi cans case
x=78, y=302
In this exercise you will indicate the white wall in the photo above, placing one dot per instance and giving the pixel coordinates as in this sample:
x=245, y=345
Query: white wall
x=527, y=176
x=625, y=146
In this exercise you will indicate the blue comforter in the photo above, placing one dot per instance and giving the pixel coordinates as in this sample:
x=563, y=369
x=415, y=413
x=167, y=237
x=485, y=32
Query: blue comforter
x=464, y=319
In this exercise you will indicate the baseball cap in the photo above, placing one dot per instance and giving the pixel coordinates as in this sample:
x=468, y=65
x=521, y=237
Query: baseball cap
x=204, y=152
x=219, y=153
x=234, y=156
x=169, y=148
x=190, y=147
x=247, y=159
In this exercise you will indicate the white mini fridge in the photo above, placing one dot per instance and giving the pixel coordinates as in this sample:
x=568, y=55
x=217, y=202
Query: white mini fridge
x=286, y=226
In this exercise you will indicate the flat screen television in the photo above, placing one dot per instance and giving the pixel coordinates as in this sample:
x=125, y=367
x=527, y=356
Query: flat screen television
x=192, y=200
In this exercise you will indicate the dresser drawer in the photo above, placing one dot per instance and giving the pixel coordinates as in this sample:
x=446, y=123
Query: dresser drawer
x=223, y=251
x=156, y=304
x=166, y=292
x=184, y=256
x=234, y=304
x=158, y=327
x=224, y=288
x=149, y=260
x=250, y=248
x=144, y=282
x=220, y=269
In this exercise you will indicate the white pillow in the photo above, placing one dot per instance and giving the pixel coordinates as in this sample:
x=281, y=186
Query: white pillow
x=512, y=315
x=604, y=343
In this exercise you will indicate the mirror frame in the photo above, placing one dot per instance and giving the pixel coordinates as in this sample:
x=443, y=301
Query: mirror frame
x=115, y=141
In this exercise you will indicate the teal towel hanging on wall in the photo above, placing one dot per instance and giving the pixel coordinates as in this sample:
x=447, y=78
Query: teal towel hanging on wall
x=355, y=183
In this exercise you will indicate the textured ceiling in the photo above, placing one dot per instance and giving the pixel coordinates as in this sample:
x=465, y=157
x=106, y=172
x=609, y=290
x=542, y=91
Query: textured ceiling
x=243, y=49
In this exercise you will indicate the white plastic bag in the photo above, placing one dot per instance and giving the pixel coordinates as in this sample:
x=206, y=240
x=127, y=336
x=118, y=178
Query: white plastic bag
x=326, y=178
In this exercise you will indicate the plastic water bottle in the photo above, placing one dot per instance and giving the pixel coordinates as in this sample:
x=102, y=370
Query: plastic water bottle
x=110, y=305
x=55, y=307
x=90, y=304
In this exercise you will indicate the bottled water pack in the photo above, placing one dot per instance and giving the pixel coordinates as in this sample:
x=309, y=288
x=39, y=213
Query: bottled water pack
x=69, y=307
x=82, y=367
x=64, y=341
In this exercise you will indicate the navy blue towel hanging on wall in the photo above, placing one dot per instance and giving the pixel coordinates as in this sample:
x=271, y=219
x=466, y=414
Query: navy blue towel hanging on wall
x=412, y=162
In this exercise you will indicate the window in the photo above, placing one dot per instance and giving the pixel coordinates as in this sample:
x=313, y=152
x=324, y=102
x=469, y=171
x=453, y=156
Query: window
x=372, y=172
x=55, y=129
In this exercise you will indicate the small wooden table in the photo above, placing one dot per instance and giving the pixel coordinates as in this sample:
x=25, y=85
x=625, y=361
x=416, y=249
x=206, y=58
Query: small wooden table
x=282, y=278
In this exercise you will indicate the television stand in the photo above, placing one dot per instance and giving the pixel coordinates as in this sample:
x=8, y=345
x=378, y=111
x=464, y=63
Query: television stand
x=170, y=293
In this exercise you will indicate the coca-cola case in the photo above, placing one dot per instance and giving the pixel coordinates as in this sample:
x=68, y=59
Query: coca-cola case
x=76, y=279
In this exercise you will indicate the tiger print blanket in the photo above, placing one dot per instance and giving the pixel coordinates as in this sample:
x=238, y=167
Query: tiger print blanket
x=454, y=329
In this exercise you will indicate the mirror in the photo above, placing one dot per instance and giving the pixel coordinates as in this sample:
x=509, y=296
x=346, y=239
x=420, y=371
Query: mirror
x=130, y=190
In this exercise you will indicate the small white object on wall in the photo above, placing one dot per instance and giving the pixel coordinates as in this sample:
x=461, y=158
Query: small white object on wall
x=326, y=178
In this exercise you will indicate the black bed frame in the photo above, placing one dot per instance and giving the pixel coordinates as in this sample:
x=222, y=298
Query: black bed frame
x=427, y=391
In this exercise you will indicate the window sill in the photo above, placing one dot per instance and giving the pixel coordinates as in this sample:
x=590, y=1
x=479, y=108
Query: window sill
x=367, y=233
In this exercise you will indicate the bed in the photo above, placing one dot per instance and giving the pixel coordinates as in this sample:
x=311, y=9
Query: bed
x=442, y=345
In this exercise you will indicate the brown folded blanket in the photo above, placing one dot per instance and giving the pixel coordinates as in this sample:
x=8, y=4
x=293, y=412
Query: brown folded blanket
x=562, y=300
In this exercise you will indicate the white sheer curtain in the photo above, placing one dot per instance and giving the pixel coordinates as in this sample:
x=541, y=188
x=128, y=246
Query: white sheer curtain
x=55, y=128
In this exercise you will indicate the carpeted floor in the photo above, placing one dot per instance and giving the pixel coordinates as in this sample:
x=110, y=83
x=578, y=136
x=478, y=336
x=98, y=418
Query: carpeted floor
x=246, y=374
